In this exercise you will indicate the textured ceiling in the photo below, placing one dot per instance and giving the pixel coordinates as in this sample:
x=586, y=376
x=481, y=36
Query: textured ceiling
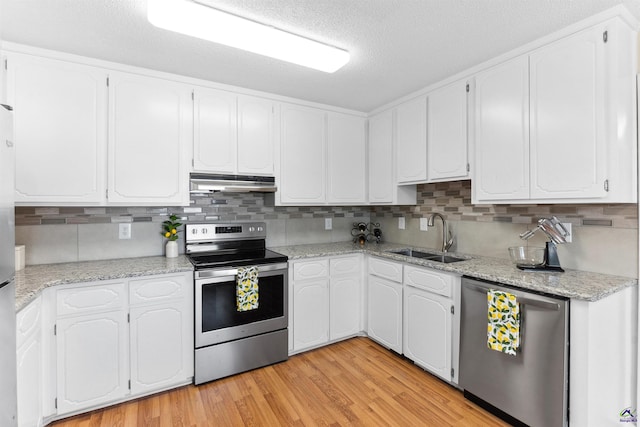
x=396, y=46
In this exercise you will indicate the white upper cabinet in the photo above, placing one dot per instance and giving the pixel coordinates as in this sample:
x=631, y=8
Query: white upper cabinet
x=381, y=163
x=382, y=177
x=233, y=133
x=150, y=130
x=447, y=133
x=501, y=166
x=255, y=136
x=346, y=150
x=322, y=157
x=302, y=167
x=553, y=125
x=411, y=141
x=568, y=141
x=215, y=131
x=60, y=118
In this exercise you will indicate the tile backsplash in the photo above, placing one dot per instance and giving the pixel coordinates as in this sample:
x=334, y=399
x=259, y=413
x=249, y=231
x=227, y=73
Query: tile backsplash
x=65, y=234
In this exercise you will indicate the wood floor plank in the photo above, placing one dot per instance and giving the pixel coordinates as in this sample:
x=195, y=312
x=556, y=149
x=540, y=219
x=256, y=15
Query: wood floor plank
x=350, y=383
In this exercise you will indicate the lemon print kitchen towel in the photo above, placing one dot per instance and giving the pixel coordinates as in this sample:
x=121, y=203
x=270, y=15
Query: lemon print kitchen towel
x=247, y=288
x=503, y=326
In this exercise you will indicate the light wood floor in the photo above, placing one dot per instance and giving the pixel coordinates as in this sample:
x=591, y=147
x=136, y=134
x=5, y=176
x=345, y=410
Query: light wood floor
x=354, y=382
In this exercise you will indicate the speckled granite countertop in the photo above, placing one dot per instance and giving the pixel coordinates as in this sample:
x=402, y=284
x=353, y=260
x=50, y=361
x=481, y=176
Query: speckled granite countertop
x=34, y=278
x=579, y=285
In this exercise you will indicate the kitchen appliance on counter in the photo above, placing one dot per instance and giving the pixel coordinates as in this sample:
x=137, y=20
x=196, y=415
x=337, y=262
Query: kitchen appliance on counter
x=8, y=387
x=556, y=233
x=228, y=339
x=530, y=385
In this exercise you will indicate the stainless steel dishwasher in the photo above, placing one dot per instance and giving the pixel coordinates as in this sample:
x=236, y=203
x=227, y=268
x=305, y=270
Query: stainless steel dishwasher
x=531, y=386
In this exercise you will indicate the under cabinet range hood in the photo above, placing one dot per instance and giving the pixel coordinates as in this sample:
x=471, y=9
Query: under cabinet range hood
x=204, y=183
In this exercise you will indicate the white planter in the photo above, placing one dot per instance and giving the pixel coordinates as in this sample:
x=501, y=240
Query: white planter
x=171, y=250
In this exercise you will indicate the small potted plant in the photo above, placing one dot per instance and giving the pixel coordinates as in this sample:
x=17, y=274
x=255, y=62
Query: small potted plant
x=170, y=232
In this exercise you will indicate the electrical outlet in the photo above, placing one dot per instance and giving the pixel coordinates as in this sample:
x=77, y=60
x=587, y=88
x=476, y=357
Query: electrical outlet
x=124, y=230
x=424, y=224
x=567, y=225
x=328, y=224
x=401, y=224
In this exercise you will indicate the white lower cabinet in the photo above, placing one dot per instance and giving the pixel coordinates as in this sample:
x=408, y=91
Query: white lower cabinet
x=29, y=364
x=327, y=300
x=428, y=320
x=161, y=332
x=91, y=354
x=112, y=341
x=385, y=303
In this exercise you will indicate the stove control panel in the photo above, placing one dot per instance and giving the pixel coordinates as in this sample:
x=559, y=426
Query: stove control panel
x=225, y=231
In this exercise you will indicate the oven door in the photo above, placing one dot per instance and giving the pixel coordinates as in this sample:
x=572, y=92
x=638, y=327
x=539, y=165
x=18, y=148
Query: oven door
x=217, y=319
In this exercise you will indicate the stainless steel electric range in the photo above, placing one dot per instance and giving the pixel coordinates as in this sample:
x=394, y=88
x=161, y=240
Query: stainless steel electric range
x=227, y=340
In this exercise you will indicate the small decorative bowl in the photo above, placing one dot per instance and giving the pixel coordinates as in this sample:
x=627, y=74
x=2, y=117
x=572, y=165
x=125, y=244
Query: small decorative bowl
x=527, y=256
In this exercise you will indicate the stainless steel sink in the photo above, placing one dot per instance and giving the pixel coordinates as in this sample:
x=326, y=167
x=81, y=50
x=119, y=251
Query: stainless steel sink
x=431, y=256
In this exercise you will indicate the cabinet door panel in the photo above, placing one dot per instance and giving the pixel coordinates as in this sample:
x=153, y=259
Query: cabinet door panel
x=427, y=331
x=156, y=289
x=215, y=135
x=303, y=155
x=501, y=167
x=92, y=360
x=255, y=136
x=411, y=141
x=150, y=126
x=382, y=179
x=88, y=299
x=346, y=159
x=385, y=313
x=387, y=269
x=433, y=281
x=310, y=313
x=345, y=265
x=60, y=116
x=29, y=372
x=568, y=147
x=160, y=347
x=447, y=132
x=345, y=305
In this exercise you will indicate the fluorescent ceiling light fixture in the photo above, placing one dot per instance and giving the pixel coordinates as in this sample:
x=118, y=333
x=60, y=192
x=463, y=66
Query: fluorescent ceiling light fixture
x=197, y=20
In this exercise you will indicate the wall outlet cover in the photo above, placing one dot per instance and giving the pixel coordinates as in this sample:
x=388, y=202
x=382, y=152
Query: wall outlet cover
x=424, y=224
x=124, y=230
x=401, y=224
x=328, y=224
x=567, y=225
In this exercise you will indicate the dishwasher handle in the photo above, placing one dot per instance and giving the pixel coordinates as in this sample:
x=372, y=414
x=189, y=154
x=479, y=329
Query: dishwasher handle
x=545, y=305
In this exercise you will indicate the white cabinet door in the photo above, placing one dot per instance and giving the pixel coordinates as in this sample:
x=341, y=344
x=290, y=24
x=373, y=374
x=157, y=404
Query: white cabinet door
x=501, y=167
x=161, y=346
x=310, y=313
x=29, y=364
x=92, y=360
x=447, y=133
x=255, y=135
x=385, y=313
x=346, y=149
x=60, y=130
x=161, y=331
x=302, y=167
x=568, y=145
x=345, y=306
x=215, y=131
x=150, y=129
x=411, y=141
x=427, y=331
x=382, y=179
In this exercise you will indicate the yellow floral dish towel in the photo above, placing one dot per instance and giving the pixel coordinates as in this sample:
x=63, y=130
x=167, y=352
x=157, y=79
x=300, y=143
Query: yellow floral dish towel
x=247, y=288
x=503, y=326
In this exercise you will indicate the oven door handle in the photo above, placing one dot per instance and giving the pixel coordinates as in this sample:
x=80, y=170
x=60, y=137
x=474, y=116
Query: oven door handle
x=232, y=272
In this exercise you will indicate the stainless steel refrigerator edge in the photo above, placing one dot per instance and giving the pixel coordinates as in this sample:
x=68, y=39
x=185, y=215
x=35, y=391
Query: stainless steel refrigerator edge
x=531, y=386
x=8, y=387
